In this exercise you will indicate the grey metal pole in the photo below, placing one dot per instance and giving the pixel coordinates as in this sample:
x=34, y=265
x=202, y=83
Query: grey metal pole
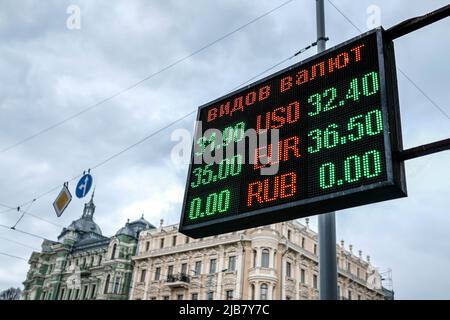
x=327, y=221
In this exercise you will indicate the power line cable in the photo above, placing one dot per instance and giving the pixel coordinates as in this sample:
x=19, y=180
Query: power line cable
x=19, y=243
x=22, y=231
x=23, y=214
x=13, y=256
x=425, y=94
x=18, y=209
x=169, y=66
x=441, y=110
x=6, y=206
x=7, y=211
x=276, y=65
x=42, y=219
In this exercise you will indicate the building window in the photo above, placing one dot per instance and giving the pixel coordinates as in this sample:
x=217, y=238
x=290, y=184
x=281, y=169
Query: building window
x=187, y=240
x=302, y=276
x=349, y=295
x=143, y=273
x=288, y=269
x=253, y=291
x=265, y=258
x=303, y=242
x=77, y=292
x=315, y=248
x=166, y=298
x=229, y=294
x=169, y=272
x=157, y=273
x=289, y=235
x=348, y=267
x=212, y=265
x=85, y=292
x=210, y=295
x=315, y=281
x=108, y=278
x=194, y=296
x=357, y=272
x=254, y=258
x=161, y=243
x=61, y=297
x=198, y=268
x=94, y=288
x=69, y=294
x=113, y=254
x=147, y=245
x=174, y=241
x=179, y=297
x=359, y=297
x=184, y=268
x=263, y=292
x=232, y=263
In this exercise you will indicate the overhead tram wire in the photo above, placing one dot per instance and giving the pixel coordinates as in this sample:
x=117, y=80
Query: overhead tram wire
x=276, y=65
x=28, y=213
x=6, y=206
x=7, y=211
x=12, y=256
x=434, y=103
x=22, y=231
x=19, y=243
x=23, y=214
x=152, y=134
x=167, y=67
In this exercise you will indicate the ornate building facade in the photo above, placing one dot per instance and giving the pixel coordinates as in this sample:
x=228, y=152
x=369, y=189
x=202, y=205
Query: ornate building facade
x=278, y=261
x=83, y=264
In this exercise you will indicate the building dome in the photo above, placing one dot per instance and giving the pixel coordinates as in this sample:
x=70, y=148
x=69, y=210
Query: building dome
x=143, y=223
x=85, y=225
x=127, y=231
x=132, y=229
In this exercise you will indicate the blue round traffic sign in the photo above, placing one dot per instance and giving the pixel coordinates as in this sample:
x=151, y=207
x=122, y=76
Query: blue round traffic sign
x=84, y=185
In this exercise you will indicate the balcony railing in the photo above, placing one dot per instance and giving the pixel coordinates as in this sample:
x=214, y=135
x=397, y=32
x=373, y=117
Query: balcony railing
x=178, y=279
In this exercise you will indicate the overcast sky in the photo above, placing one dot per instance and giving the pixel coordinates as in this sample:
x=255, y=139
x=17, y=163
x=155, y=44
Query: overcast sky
x=49, y=72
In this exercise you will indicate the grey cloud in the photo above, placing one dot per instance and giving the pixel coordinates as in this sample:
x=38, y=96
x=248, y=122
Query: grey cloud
x=50, y=72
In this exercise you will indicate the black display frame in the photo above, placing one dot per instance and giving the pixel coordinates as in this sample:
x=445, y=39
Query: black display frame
x=393, y=187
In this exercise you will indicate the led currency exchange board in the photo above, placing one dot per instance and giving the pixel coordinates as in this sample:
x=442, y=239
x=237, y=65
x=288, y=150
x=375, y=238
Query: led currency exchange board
x=319, y=136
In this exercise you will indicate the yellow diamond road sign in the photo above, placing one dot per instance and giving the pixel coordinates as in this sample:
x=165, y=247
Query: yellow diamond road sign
x=62, y=201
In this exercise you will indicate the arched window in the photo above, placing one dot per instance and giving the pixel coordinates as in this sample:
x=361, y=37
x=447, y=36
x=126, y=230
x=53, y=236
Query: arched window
x=113, y=254
x=265, y=258
x=108, y=278
x=263, y=292
x=117, y=285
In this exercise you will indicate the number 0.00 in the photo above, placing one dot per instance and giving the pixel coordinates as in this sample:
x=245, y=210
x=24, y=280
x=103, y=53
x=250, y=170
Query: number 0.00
x=215, y=202
x=355, y=167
